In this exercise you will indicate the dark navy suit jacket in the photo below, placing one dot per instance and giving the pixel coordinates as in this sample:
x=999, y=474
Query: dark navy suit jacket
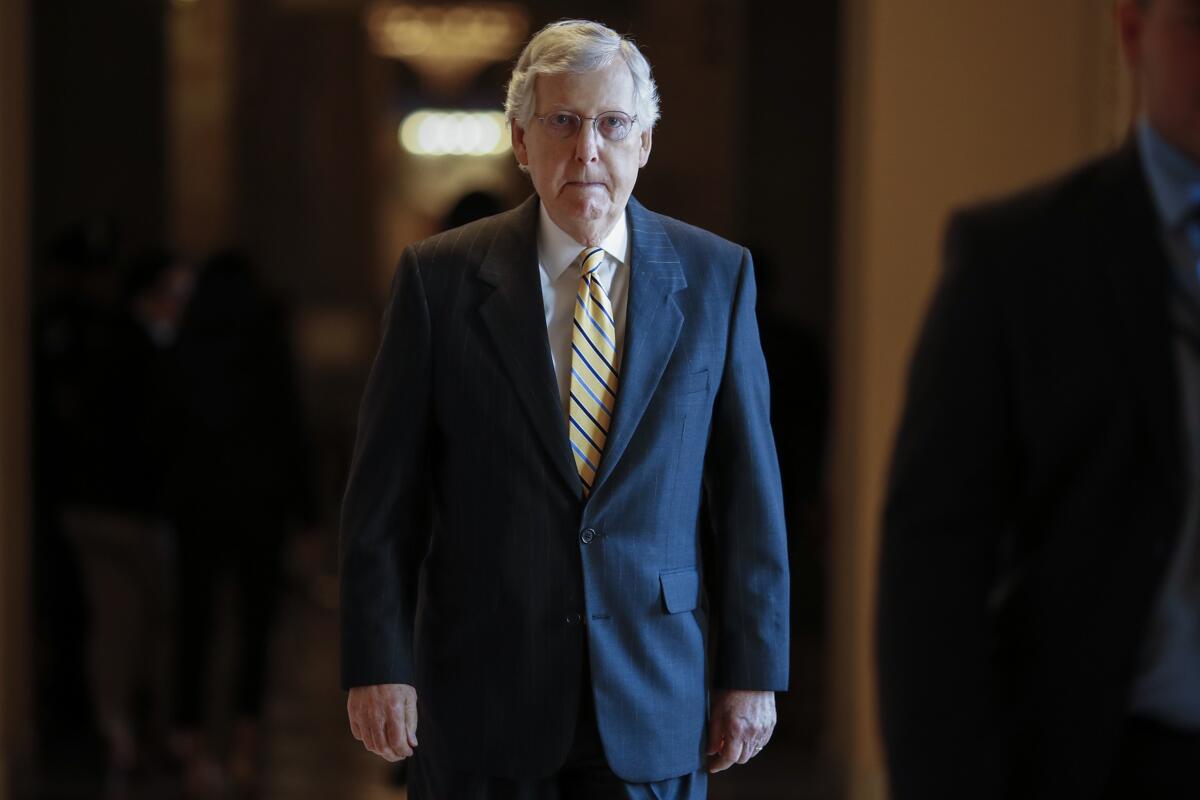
x=472, y=567
x=1036, y=495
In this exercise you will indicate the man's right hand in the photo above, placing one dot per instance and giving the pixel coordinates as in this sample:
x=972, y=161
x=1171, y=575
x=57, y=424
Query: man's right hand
x=384, y=718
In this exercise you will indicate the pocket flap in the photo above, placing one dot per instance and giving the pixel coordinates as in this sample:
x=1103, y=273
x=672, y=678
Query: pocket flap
x=696, y=382
x=680, y=589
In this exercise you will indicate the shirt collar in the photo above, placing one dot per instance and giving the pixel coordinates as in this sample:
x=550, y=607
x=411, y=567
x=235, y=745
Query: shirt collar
x=557, y=250
x=1174, y=178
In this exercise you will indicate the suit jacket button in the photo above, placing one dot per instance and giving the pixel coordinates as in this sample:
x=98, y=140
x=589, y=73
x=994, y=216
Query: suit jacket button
x=587, y=535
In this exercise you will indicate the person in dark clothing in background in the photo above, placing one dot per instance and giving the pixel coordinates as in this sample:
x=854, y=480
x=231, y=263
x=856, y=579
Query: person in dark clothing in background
x=76, y=299
x=238, y=478
x=115, y=519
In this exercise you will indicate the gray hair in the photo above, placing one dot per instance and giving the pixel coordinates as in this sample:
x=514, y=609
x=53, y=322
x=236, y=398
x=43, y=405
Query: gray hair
x=575, y=45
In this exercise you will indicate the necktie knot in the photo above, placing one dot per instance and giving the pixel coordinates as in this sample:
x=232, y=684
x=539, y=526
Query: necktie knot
x=590, y=260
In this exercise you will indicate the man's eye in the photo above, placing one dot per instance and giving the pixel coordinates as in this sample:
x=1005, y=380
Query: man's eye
x=613, y=121
x=560, y=120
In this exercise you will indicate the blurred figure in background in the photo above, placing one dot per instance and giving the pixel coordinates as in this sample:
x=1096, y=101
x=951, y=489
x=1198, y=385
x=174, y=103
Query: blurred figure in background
x=1039, y=609
x=237, y=481
x=76, y=291
x=473, y=205
x=115, y=518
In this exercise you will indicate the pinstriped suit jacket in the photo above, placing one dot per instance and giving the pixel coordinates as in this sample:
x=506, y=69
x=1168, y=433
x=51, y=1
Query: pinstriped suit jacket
x=473, y=569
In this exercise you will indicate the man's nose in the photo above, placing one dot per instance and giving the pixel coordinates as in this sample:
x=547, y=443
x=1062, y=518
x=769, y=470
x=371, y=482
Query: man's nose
x=586, y=146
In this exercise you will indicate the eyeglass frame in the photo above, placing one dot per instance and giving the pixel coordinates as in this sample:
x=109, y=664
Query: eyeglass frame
x=595, y=120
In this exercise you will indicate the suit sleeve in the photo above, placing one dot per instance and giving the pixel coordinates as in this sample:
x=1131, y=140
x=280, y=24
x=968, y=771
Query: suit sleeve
x=385, y=523
x=745, y=502
x=949, y=501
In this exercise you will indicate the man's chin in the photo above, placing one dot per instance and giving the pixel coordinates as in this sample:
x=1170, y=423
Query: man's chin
x=586, y=213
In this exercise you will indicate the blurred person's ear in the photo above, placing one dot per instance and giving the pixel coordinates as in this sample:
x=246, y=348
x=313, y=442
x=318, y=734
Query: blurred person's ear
x=1130, y=18
x=1131, y=24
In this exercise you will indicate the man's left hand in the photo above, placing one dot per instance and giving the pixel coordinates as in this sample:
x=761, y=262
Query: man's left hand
x=740, y=724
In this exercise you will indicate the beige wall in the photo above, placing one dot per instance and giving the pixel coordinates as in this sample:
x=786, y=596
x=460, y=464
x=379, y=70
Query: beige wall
x=944, y=102
x=14, y=411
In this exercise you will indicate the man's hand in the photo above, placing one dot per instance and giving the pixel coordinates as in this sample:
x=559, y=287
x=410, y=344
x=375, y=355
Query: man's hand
x=384, y=718
x=740, y=724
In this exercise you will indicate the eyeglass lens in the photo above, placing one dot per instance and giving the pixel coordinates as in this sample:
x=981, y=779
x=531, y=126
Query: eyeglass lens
x=612, y=125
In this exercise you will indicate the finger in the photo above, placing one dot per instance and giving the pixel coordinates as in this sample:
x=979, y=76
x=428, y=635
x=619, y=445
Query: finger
x=377, y=742
x=355, y=729
x=737, y=750
x=716, y=740
x=410, y=719
x=727, y=757
x=397, y=738
x=749, y=751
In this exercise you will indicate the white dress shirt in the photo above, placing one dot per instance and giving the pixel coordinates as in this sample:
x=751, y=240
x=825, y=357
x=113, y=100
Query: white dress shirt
x=559, y=271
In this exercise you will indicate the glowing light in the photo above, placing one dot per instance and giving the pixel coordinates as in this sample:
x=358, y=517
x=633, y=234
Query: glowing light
x=474, y=32
x=454, y=133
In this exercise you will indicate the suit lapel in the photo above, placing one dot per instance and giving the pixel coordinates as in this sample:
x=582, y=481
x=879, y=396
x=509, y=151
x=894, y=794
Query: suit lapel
x=653, y=320
x=514, y=315
x=1138, y=268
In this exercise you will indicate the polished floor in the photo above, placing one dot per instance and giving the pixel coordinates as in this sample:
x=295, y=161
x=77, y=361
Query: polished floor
x=309, y=753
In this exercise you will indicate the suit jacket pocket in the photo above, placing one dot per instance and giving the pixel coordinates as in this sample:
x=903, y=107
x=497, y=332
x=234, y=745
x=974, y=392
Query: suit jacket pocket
x=695, y=382
x=680, y=589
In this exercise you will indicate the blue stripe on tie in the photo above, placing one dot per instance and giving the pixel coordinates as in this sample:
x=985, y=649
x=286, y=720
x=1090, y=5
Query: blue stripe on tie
x=595, y=324
x=603, y=382
x=591, y=441
x=582, y=455
x=588, y=414
x=600, y=300
x=575, y=322
x=588, y=389
x=603, y=332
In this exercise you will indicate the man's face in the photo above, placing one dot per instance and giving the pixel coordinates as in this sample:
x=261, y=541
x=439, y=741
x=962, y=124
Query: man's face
x=1162, y=44
x=585, y=180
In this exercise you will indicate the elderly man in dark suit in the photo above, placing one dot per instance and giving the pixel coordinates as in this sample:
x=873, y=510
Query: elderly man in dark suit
x=558, y=390
x=1039, y=615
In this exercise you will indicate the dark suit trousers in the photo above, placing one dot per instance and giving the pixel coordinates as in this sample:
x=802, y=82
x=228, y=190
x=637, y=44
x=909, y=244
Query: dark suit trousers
x=1155, y=762
x=584, y=776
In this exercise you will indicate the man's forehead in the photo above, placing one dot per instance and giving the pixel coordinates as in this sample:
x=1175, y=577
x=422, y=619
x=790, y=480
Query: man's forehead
x=612, y=85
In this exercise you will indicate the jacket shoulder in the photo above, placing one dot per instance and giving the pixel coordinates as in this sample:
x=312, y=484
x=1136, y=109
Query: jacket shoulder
x=686, y=236
x=1060, y=209
x=466, y=244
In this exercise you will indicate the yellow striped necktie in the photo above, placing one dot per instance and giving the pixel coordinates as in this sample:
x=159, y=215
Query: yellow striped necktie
x=594, y=366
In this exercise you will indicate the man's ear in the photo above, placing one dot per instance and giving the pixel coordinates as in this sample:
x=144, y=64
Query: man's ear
x=644, y=150
x=518, y=144
x=1131, y=21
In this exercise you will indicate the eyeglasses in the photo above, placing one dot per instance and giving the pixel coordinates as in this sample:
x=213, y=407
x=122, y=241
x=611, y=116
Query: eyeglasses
x=612, y=125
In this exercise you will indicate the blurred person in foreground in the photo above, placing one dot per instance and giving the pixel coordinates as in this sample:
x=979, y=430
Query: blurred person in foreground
x=236, y=487
x=558, y=389
x=1039, y=612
